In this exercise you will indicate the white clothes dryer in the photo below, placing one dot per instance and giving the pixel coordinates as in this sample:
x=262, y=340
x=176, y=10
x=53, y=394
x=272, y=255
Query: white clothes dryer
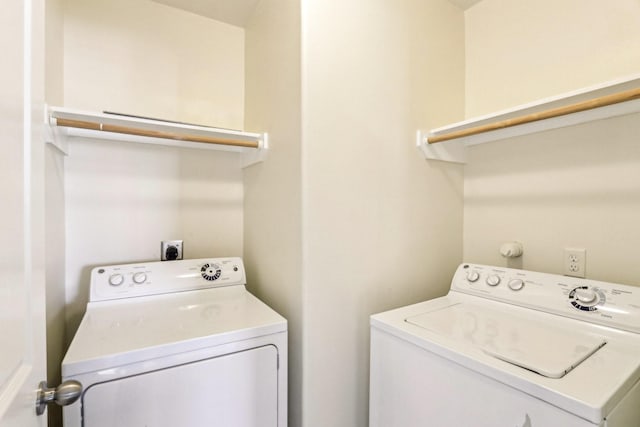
x=178, y=343
x=509, y=348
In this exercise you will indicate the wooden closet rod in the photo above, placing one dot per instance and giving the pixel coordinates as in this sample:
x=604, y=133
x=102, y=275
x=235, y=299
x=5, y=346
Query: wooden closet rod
x=82, y=124
x=590, y=104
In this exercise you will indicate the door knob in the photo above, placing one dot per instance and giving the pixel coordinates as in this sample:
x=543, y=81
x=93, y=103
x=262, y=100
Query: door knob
x=65, y=394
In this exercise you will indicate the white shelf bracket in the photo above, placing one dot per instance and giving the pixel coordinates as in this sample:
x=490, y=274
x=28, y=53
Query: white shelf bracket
x=449, y=151
x=52, y=134
x=257, y=156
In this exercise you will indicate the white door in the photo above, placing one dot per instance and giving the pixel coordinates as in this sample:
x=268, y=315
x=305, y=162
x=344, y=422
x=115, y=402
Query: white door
x=22, y=334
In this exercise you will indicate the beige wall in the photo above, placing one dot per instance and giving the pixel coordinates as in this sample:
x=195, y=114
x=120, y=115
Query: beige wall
x=571, y=187
x=381, y=226
x=54, y=52
x=122, y=199
x=272, y=202
x=141, y=57
x=519, y=51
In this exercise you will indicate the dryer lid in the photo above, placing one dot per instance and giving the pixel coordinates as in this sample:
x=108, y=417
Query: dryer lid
x=550, y=346
x=118, y=332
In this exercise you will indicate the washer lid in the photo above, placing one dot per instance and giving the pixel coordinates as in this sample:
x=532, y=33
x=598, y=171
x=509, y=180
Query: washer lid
x=544, y=346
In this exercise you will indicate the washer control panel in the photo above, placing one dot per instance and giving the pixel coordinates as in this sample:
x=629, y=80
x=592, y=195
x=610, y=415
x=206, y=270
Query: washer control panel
x=608, y=304
x=153, y=278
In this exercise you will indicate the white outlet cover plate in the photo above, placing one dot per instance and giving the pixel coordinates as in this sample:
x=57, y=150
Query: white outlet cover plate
x=575, y=260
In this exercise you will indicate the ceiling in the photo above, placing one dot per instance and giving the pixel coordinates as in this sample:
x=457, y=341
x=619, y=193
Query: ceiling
x=464, y=4
x=237, y=12
x=234, y=12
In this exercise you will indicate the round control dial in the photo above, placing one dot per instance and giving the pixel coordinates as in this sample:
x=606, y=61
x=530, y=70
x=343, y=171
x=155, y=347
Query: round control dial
x=116, y=279
x=139, y=278
x=493, y=280
x=515, y=284
x=473, y=276
x=585, y=298
x=210, y=272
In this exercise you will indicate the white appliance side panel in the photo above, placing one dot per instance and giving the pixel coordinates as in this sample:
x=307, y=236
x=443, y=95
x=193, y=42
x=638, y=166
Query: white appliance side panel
x=627, y=413
x=239, y=389
x=411, y=387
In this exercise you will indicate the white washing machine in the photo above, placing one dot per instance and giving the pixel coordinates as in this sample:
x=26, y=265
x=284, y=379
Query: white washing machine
x=179, y=343
x=509, y=348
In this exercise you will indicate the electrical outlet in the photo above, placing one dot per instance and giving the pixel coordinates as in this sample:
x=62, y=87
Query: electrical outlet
x=575, y=262
x=171, y=250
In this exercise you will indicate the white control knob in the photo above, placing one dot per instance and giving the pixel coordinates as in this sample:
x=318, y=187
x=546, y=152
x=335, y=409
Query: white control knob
x=140, y=277
x=493, y=280
x=586, y=296
x=116, y=279
x=515, y=284
x=473, y=276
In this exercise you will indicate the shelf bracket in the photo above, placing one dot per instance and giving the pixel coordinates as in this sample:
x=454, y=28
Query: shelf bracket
x=52, y=135
x=259, y=155
x=449, y=151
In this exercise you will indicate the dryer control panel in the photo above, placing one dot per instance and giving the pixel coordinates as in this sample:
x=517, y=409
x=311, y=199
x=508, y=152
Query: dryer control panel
x=154, y=278
x=608, y=304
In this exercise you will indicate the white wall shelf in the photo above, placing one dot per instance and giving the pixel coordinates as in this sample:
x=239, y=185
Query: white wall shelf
x=624, y=95
x=66, y=123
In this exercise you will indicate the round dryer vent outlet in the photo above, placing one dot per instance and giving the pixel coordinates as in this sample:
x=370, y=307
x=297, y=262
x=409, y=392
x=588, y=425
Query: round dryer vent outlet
x=210, y=272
